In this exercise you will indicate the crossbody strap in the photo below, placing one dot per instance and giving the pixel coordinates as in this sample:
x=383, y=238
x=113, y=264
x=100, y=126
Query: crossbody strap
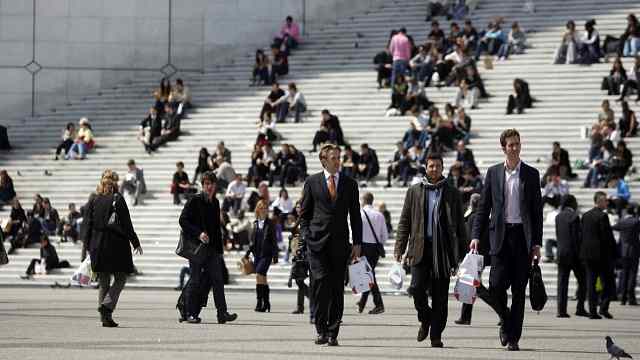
x=371, y=226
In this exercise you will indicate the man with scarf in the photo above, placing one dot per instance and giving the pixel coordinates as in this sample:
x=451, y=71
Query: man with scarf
x=432, y=228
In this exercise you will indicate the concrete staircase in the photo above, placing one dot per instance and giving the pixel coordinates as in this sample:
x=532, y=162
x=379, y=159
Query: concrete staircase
x=332, y=74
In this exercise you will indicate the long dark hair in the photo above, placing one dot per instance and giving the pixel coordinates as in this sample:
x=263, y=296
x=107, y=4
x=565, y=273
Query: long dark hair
x=203, y=156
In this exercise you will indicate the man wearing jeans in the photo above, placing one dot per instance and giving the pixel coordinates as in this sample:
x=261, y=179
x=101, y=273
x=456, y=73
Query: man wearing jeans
x=200, y=221
x=400, y=48
x=374, y=232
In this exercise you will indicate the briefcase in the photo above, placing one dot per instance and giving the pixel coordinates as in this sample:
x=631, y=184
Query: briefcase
x=192, y=250
x=537, y=292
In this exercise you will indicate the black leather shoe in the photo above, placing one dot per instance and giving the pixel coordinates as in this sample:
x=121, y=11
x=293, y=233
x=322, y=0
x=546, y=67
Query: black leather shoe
x=436, y=343
x=360, y=306
x=333, y=342
x=298, y=311
x=226, y=317
x=606, y=314
x=321, y=340
x=563, y=316
x=595, y=317
x=193, y=320
x=462, y=322
x=513, y=347
x=582, y=312
x=423, y=332
x=377, y=310
x=502, y=334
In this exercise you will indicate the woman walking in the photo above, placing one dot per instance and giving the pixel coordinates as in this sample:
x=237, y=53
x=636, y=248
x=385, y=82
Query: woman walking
x=265, y=251
x=108, y=233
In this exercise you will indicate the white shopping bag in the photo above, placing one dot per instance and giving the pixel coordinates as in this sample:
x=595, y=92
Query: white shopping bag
x=82, y=276
x=41, y=268
x=361, y=276
x=396, y=276
x=468, y=278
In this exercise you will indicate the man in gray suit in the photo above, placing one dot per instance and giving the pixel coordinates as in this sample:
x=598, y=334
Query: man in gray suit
x=629, y=228
x=511, y=206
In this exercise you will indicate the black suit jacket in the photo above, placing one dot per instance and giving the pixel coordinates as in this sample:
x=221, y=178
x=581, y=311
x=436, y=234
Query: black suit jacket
x=629, y=229
x=323, y=223
x=266, y=246
x=200, y=216
x=598, y=244
x=568, y=235
x=492, y=203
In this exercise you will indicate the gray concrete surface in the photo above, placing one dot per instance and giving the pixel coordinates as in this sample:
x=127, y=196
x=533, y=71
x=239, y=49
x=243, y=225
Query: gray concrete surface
x=63, y=324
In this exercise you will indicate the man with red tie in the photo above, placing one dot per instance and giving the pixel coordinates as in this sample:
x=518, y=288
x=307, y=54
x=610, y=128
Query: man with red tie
x=328, y=198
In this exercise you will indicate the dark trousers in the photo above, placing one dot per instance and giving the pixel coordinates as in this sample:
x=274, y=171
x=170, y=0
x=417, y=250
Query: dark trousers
x=423, y=281
x=370, y=251
x=213, y=269
x=593, y=270
x=109, y=293
x=303, y=291
x=328, y=296
x=510, y=269
x=628, y=279
x=630, y=84
x=564, y=269
x=64, y=145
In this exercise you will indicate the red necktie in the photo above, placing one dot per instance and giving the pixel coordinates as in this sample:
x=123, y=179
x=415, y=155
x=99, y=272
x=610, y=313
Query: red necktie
x=332, y=188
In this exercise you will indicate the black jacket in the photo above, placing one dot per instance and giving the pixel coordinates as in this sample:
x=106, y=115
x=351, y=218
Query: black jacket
x=50, y=255
x=198, y=216
x=267, y=245
x=109, y=248
x=323, y=223
x=492, y=203
x=598, y=244
x=629, y=229
x=568, y=235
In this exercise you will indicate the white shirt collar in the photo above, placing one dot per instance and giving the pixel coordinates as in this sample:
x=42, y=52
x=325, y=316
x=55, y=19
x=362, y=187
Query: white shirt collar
x=327, y=175
x=516, y=171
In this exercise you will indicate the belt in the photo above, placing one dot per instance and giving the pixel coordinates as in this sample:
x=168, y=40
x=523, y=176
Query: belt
x=512, y=225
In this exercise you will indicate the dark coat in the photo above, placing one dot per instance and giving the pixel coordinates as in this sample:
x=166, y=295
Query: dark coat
x=410, y=235
x=568, y=235
x=629, y=229
x=267, y=246
x=492, y=203
x=483, y=247
x=323, y=224
x=110, y=250
x=598, y=243
x=194, y=220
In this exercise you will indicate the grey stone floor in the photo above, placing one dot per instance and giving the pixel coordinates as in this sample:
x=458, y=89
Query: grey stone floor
x=63, y=324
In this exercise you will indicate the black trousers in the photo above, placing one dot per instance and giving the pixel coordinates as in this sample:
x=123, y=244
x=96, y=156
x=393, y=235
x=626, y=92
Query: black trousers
x=211, y=270
x=510, y=269
x=328, y=292
x=423, y=282
x=370, y=251
x=564, y=269
x=628, y=279
x=593, y=270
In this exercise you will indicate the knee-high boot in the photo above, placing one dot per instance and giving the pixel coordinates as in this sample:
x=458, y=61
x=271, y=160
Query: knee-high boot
x=266, y=305
x=258, y=297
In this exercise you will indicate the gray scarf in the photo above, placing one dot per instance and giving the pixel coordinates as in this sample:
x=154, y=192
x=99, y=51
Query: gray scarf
x=442, y=251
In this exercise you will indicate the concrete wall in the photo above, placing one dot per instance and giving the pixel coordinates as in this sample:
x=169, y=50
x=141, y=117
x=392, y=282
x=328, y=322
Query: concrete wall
x=85, y=45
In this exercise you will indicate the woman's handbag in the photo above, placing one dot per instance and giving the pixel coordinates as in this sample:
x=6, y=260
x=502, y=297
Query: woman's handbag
x=192, y=250
x=537, y=292
x=246, y=267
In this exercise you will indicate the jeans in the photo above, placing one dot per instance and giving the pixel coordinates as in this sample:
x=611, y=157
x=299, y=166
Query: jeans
x=423, y=72
x=283, y=111
x=504, y=51
x=77, y=148
x=631, y=46
x=399, y=68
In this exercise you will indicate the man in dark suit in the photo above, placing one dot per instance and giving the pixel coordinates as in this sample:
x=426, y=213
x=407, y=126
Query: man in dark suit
x=432, y=227
x=200, y=222
x=598, y=254
x=511, y=195
x=328, y=198
x=629, y=228
x=569, y=237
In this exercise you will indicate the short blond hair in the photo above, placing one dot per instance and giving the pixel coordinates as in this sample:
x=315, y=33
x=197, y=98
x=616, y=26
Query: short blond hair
x=108, y=183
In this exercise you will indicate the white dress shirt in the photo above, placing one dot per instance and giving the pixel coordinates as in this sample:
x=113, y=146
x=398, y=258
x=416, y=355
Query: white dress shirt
x=378, y=223
x=236, y=189
x=512, y=195
x=336, y=177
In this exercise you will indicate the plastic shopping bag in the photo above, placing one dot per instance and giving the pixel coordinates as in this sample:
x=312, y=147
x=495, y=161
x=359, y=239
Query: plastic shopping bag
x=82, y=276
x=468, y=278
x=361, y=276
x=41, y=268
x=396, y=276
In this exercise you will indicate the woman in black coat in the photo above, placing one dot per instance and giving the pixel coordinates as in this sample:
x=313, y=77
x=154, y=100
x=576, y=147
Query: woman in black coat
x=265, y=251
x=108, y=241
